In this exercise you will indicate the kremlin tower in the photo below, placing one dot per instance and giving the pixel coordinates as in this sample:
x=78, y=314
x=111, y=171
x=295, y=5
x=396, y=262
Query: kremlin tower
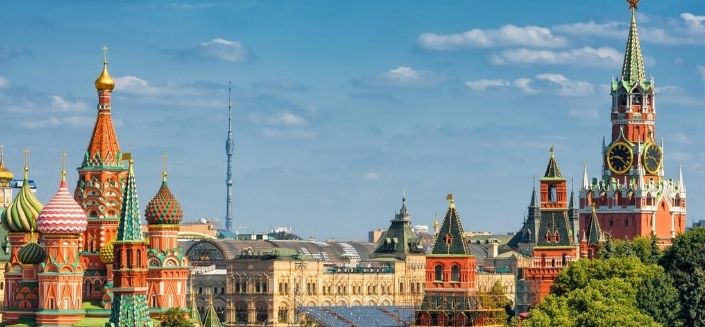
x=61, y=223
x=129, y=304
x=168, y=266
x=633, y=197
x=101, y=179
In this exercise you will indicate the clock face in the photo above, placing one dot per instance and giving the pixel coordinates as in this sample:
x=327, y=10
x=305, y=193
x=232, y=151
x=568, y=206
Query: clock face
x=620, y=158
x=652, y=158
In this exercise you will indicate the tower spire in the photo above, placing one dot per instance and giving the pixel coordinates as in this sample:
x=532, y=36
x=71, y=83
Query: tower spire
x=633, y=67
x=164, y=173
x=586, y=181
x=229, y=175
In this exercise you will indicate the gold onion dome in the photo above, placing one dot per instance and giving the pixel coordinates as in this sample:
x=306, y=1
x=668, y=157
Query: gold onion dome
x=21, y=214
x=5, y=173
x=106, y=253
x=164, y=209
x=105, y=81
x=32, y=254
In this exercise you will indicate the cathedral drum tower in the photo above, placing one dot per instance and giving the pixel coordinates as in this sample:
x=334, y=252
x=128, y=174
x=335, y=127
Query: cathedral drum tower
x=101, y=178
x=633, y=197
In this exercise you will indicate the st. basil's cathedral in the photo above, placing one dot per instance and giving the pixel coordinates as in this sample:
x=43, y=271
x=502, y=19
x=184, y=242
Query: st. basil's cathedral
x=85, y=256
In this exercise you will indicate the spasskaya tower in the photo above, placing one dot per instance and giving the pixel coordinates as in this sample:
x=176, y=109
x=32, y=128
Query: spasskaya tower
x=633, y=197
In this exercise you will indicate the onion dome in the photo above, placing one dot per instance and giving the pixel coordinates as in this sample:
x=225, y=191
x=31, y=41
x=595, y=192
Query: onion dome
x=105, y=81
x=21, y=215
x=107, y=256
x=62, y=215
x=164, y=209
x=32, y=254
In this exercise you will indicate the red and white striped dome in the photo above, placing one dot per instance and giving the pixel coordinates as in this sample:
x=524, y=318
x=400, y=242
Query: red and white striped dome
x=62, y=215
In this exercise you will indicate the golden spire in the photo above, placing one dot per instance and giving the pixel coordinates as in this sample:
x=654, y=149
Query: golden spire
x=105, y=81
x=64, y=158
x=164, y=174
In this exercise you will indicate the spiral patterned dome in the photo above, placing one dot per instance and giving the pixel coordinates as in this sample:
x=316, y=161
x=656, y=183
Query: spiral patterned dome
x=62, y=215
x=107, y=256
x=32, y=254
x=164, y=209
x=21, y=215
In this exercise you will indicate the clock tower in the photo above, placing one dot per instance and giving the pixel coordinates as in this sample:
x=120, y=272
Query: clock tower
x=633, y=197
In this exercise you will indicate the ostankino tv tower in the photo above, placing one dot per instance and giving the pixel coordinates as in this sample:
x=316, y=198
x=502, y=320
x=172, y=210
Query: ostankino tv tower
x=229, y=154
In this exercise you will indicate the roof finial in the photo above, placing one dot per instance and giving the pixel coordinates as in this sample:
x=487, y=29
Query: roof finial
x=451, y=201
x=25, y=151
x=64, y=159
x=164, y=159
x=2, y=154
x=105, y=55
x=633, y=4
x=551, y=151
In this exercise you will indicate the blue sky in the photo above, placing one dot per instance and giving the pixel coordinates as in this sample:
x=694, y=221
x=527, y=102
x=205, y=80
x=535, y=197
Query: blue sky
x=340, y=105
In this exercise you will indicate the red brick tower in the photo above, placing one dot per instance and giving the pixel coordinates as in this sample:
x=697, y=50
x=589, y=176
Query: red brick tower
x=549, y=235
x=633, y=198
x=168, y=266
x=450, y=276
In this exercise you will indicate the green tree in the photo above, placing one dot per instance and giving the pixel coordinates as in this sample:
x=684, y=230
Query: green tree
x=684, y=261
x=646, y=249
x=655, y=251
x=658, y=298
x=175, y=317
x=580, y=273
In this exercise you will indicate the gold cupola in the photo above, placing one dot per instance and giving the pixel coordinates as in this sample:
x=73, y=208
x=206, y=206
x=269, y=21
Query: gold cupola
x=105, y=81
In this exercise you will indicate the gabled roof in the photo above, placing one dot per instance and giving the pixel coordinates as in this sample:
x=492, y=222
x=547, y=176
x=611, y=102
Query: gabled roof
x=399, y=240
x=554, y=230
x=450, y=238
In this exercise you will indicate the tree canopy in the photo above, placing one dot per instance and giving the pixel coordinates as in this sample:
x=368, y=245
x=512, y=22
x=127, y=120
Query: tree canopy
x=175, y=317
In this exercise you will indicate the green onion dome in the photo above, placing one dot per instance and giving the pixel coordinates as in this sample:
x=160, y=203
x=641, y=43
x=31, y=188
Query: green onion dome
x=164, y=209
x=21, y=214
x=32, y=254
x=107, y=256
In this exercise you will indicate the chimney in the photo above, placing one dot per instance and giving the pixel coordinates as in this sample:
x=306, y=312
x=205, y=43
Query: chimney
x=492, y=250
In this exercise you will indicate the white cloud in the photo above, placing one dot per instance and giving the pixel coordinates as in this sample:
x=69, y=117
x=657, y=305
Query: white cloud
x=137, y=86
x=567, y=86
x=402, y=74
x=680, y=138
x=701, y=71
x=694, y=23
x=4, y=83
x=285, y=118
x=62, y=105
x=548, y=82
x=484, y=84
x=507, y=35
x=370, y=176
x=400, y=77
x=223, y=49
x=587, y=56
x=524, y=85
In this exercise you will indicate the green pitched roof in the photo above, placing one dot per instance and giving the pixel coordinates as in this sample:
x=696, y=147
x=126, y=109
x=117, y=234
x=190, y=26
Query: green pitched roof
x=594, y=232
x=554, y=230
x=399, y=240
x=633, y=68
x=211, y=319
x=129, y=228
x=450, y=237
x=552, y=171
x=193, y=313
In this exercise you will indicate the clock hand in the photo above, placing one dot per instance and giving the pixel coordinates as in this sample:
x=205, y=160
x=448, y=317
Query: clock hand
x=618, y=158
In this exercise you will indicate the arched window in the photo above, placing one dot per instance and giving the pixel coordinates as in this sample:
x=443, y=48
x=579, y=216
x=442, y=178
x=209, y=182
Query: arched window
x=552, y=196
x=438, y=273
x=139, y=259
x=543, y=260
x=129, y=258
x=241, y=312
x=564, y=260
x=455, y=273
x=283, y=315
